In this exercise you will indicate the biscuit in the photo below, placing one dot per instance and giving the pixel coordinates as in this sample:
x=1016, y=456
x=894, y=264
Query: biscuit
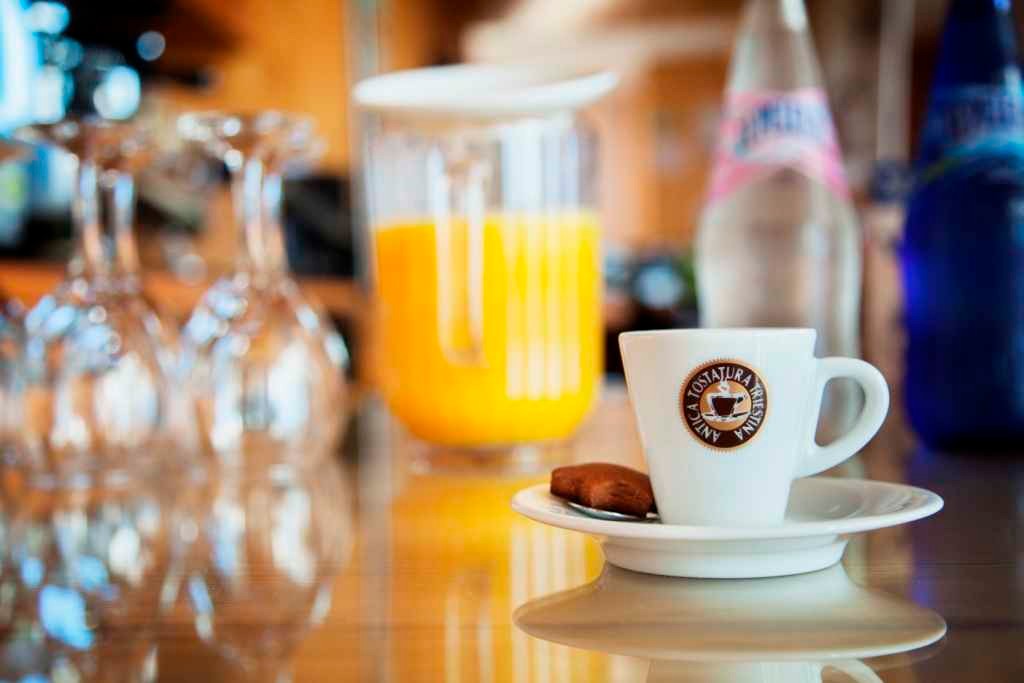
x=604, y=486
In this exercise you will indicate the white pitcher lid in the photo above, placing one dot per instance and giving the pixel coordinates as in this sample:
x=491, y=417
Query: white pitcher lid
x=483, y=91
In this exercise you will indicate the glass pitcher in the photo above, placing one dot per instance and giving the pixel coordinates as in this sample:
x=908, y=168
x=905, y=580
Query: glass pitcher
x=484, y=250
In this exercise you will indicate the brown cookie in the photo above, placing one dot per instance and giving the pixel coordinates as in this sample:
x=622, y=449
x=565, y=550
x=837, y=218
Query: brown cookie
x=604, y=486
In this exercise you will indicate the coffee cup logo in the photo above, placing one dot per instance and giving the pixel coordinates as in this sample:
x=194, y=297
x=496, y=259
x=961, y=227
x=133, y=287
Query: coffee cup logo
x=723, y=403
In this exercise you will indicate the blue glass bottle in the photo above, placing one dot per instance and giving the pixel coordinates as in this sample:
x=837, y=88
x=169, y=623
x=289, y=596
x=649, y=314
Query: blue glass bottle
x=963, y=251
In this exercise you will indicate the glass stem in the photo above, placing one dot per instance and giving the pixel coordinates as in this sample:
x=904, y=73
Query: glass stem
x=246, y=191
x=86, y=217
x=273, y=219
x=270, y=669
x=120, y=199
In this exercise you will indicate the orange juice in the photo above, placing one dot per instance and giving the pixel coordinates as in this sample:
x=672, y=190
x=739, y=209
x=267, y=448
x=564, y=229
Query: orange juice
x=536, y=369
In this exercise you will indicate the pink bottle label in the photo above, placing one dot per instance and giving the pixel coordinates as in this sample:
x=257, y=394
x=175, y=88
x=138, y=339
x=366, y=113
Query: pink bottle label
x=765, y=131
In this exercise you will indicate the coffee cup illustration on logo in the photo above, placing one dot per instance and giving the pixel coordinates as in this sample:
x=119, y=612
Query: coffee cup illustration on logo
x=723, y=403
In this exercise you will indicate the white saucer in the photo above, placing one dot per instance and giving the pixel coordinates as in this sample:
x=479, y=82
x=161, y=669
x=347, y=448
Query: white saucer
x=822, y=513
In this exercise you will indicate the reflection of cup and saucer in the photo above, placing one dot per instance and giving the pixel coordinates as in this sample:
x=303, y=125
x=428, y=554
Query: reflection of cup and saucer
x=782, y=630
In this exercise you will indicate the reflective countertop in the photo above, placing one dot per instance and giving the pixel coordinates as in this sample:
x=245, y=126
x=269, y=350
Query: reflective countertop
x=445, y=582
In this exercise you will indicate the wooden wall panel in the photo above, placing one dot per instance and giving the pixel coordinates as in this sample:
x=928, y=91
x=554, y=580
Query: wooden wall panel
x=287, y=55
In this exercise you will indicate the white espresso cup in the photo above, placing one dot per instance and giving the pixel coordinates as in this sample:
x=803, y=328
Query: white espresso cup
x=727, y=418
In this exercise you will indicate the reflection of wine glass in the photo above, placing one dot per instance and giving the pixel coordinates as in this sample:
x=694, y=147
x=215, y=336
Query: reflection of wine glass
x=92, y=392
x=262, y=564
x=11, y=341
x=263, y=381
x=781, y=629
x=85, y=571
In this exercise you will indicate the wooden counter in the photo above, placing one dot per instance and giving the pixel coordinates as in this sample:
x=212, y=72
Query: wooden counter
x=27, y=281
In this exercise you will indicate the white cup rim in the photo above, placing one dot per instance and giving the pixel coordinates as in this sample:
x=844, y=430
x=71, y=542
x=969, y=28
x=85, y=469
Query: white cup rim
x=721, y=331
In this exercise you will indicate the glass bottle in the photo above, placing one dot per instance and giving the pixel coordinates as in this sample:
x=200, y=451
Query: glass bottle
x=963, y=252
x=779, y=244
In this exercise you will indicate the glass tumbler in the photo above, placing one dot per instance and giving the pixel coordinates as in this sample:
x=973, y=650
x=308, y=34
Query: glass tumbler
x=484, y=245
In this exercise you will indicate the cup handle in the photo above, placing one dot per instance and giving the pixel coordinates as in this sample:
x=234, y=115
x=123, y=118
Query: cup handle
x=457, y=195
x=855, y=669
x=876, y=405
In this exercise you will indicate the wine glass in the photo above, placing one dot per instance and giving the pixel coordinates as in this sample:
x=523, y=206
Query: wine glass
x=11, y=331
x=84, y=569
x=262, y=379
x=263, y=561
x=119, y=161
x=300, y=151
x=92, y=391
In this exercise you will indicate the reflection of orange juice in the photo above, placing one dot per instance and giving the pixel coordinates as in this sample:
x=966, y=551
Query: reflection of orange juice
x=538, y=365
x=462, y=562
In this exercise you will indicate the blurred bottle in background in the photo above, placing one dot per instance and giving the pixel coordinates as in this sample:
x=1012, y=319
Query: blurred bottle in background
x=779, y=244
x=884, y=212
x=963, y=253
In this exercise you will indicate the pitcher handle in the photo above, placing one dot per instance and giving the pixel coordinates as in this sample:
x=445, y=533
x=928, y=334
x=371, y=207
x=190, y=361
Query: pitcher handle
x=457, y=196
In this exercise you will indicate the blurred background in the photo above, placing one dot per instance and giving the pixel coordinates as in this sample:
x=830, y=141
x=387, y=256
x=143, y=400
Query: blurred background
x=248, y=383
x=153, y=60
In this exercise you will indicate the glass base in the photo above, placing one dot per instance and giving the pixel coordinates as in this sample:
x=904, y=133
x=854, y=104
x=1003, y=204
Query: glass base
x=506, y=460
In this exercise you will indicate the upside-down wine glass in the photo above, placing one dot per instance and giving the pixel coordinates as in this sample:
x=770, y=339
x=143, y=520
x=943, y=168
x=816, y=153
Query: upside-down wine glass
x=301, y=151
x=91, y=388
x=118, y=163
x=261, y=377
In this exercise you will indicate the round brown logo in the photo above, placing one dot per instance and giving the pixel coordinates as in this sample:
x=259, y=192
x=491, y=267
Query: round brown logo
x=723, y=403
